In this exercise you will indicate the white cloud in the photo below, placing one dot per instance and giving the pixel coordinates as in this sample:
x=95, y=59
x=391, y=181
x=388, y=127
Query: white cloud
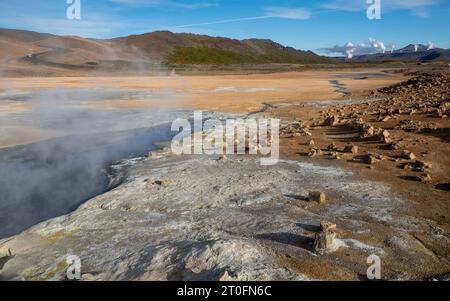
x=288, y=13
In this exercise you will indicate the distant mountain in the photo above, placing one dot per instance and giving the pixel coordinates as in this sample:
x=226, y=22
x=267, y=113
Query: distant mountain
x=411, y=53
x=141, y=51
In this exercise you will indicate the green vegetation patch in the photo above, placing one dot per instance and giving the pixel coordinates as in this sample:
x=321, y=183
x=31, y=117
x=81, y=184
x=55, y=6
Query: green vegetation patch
x=207, y=56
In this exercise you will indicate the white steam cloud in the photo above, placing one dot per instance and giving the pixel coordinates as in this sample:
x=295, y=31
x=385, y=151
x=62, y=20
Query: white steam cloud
x=350, y=49
x=379, y=45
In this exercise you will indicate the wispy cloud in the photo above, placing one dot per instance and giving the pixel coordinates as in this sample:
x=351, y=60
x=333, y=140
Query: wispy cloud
x=288, y=13
x=168, y=3
x=270, y=12
x=222, y=21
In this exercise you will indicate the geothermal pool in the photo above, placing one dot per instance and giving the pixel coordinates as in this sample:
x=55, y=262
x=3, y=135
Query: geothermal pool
x=51, y=177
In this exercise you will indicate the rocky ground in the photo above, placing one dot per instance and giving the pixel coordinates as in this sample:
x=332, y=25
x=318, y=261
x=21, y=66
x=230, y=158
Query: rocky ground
x=211, y=218
x=364, y=176
x=401, y=129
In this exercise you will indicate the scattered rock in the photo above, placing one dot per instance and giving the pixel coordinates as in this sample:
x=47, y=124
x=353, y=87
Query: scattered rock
x=385, y=118
x=325, y=226
x=296, y=128
x=370, y=159
x=324, y=240
x=351, y=149
x=421, y=165
x=393, y=146
x=335, y=156
x=385, y=136
x=332, y=147
x=226, y=277
x=331, y=121
x=406, y=154
x=317, y=196
x=422, y=178
x=425, y=178
x=315, y=152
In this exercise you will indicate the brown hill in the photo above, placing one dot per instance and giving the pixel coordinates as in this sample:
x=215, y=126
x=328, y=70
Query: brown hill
x=25, y=49
x=186, y=48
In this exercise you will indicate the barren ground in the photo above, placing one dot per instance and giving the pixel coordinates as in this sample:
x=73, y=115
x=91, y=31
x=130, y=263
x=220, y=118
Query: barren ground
x=261, y=214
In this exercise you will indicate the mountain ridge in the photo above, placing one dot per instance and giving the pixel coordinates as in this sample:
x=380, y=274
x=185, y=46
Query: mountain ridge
x=159, y=47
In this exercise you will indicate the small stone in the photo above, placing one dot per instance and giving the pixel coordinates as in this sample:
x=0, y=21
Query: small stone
x=323, y=241
x=331, y=121
x=422, y=178
x=393, y=146
x=226, y=277
x=385, y=134
x=311, y=142
x=317, y=196
x=387, y=140
x=315, y=152
x=423, y=165
x=351, y=149
x=406, y=154
x=335, y=156
x=332, y=147
x=325, y=226
x=425, y=178
x=370, y=159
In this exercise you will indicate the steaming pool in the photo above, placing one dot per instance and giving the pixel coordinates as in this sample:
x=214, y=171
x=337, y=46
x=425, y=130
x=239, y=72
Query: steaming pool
x=51, y=177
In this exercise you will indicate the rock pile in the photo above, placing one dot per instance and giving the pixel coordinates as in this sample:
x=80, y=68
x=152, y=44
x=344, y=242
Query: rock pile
x=295, y=129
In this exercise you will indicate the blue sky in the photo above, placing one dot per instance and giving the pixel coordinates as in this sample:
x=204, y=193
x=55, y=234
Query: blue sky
x=314, y=25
